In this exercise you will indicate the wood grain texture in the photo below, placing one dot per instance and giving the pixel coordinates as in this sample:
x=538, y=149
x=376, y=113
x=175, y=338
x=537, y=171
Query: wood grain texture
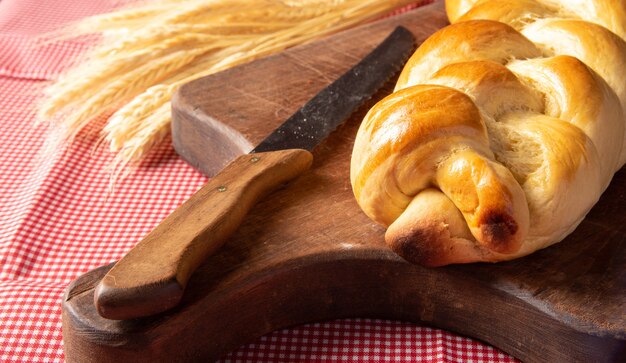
x=307, y=252
x=152, y=277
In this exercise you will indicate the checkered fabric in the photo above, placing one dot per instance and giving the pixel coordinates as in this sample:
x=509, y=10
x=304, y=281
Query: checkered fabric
x=57, y=219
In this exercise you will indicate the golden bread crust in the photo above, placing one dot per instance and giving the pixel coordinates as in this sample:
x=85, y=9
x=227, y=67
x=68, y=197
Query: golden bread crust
x=471, y=40
x=607, y=13
x=498, y=138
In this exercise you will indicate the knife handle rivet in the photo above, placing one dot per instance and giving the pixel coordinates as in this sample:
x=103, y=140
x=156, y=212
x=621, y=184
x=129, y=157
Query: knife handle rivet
x=221, y=189
x=254, y=159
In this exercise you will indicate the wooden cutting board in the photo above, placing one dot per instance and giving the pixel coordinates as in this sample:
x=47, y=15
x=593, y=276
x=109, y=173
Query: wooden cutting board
x=307, y=252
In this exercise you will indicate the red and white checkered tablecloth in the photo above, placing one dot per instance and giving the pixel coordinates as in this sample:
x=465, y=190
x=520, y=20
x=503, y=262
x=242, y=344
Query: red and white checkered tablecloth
x=57, y=219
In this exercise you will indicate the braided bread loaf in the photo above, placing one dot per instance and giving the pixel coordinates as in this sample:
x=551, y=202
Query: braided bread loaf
x=502, y=132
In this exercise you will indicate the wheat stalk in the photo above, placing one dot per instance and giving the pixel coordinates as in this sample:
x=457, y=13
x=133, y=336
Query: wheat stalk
x=150, y=50
x=126, y=86
x=118, y=131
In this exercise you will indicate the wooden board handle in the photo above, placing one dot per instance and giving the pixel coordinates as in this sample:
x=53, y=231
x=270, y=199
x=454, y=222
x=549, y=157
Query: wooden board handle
x=151, y=278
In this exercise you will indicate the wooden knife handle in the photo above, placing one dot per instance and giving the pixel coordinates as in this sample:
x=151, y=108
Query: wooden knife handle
x=152, y=276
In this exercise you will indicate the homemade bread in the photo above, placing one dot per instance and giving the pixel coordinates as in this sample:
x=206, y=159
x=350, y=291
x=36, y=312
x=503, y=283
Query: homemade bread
x=502, y=132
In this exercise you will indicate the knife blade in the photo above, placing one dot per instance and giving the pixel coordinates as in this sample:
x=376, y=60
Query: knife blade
x=152, y=276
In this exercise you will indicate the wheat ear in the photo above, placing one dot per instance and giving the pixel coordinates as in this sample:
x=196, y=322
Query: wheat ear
x=150, y=50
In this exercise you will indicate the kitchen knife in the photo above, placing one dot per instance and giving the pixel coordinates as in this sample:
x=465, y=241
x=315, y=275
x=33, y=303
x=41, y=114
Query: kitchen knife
x=152, y=276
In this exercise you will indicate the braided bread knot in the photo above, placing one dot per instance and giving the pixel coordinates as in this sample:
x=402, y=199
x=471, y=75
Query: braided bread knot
x=496, y=142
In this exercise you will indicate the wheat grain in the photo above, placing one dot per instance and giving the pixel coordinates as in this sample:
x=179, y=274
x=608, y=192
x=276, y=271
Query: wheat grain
x=118, y=131
x=129, y=85
x=150, y=50
x=141, y=142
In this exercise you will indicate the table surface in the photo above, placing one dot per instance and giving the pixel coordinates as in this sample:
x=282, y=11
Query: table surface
x=58, y=218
